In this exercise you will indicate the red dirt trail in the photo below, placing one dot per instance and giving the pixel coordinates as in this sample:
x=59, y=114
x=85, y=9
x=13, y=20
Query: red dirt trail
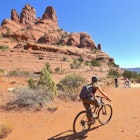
x=44, y=125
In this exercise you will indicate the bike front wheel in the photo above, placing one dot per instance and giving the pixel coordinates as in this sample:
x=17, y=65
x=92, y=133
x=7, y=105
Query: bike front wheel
x=80, y=123
x=105, y=114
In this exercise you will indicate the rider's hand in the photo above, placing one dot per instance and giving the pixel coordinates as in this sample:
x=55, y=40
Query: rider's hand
x=108, y=99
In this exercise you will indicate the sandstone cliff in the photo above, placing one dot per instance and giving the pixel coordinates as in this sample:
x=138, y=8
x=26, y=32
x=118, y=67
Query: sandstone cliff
x=27, y=32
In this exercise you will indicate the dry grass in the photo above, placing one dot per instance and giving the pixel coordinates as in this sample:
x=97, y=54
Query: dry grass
x=5, y=129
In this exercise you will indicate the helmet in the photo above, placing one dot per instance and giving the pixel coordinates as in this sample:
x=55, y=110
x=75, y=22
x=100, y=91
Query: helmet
x=94, y=79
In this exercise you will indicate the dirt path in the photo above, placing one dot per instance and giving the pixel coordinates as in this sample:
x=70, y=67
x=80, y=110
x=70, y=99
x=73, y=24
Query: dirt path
x=43, y=125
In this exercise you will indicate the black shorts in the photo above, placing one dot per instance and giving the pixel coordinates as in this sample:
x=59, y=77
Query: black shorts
x=91, y=100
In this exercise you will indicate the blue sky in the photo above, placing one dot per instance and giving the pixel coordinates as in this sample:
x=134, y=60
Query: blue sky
x=115, y=24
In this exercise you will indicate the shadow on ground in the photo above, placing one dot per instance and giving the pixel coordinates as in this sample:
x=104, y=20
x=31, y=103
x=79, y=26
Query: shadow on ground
x=72, y=136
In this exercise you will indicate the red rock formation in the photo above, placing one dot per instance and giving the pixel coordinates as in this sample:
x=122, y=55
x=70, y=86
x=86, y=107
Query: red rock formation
x=28, y=15
x=99, y=47
x=86, y=41
x=14, y=15
x=81, y=40
x=49, y=39
x=50, y=14
x=74, y=39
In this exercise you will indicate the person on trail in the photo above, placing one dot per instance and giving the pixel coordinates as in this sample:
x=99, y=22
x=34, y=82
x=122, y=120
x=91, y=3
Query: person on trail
x=116, y=82
x=89, y=98
x=126, y=82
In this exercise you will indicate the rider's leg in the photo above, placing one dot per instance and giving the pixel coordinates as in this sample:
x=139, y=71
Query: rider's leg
x=86, y=103
x=88, y=110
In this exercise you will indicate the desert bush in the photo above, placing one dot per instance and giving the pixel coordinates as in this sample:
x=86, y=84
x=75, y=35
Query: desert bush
x=58, y=43
x=5, y=129
x=1, y=71
x=87, y=63
x=26, y=97
x=71, y=85
x=81, y=59
x=18, y=73
x=4, y=47
x=44, y=81
x=94, y=62
x=76, y=64
x=64, y=59
x=112, y=64
x=113, y=73
x=38, y=93
x=48, y=67
x=32, y=83
x=131, y=75
x=57, y=69
x=94, y=50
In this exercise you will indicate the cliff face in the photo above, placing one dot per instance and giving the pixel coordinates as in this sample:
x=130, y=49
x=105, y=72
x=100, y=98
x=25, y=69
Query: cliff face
x=29, y=32
x=42, y=30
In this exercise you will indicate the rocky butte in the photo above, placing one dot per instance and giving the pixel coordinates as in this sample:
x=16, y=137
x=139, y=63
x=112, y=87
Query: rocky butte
x=29, y=32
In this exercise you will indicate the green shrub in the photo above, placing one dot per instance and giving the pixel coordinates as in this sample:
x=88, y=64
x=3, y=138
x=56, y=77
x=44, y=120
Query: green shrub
x=71, y=84
x=113, y=73
x=112, y=64
x=4, y=47
x=76, y=64
x=81, y=59
x=87, y=63
x=0, y=36
x=64, y=59
x=131, y=75
x=32, y=83
x=1, y=71
x=48, y=67
x=59, y=43
x=5, y=129
x=40, y=90
x=93, y=50
x=94, y=62
x=44, y=81
x=18, y=73
x=57, y=69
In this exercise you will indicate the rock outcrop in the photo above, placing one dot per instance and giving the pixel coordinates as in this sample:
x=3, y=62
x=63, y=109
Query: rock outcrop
x=81, y=40
x=45, y=30
x=14, y=16
x=50, y=14
x=28, y=15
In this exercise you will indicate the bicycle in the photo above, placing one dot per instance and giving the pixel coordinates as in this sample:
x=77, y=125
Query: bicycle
x=126, y=85
x=104, y=114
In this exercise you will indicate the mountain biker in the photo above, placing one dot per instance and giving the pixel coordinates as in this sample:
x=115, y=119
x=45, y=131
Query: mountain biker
x=90, y=99
x=127, y=82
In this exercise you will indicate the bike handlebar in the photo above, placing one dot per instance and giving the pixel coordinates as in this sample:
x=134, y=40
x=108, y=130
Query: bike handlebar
x=101, y=98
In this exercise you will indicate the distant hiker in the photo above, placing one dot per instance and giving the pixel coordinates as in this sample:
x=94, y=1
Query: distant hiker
x=87, y=95
x=116, y=82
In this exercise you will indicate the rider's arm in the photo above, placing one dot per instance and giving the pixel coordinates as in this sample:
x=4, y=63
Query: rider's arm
x=102, y=92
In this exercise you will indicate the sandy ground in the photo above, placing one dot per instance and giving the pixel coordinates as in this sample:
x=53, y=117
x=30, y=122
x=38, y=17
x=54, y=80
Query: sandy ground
x=44, y=125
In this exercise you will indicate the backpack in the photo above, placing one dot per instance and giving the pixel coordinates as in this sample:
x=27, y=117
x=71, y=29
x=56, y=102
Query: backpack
x=86, y=92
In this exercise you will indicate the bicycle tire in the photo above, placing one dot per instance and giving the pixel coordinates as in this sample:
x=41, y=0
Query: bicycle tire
x=80, y=123
x=105, y=114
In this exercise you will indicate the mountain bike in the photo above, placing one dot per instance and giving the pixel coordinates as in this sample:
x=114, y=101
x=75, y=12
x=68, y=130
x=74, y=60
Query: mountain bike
x=126, y=85
x=104, y=114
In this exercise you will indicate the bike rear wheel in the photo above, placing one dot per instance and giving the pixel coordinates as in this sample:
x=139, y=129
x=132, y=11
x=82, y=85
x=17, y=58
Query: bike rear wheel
x=105, y=114
x=80, y=123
